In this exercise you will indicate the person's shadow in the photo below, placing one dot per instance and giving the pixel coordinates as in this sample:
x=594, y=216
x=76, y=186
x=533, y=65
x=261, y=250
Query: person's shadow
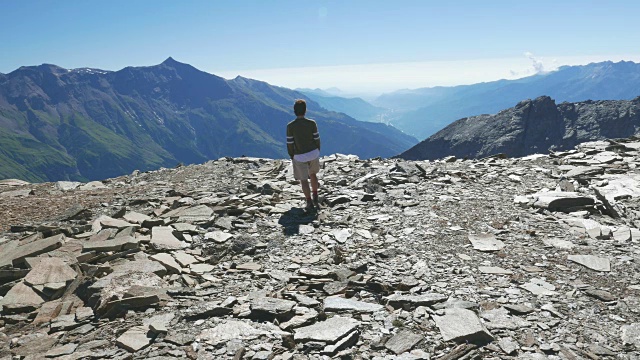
x=292, y=219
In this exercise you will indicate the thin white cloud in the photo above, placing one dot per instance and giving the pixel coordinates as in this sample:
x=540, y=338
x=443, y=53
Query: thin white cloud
x=538, y=65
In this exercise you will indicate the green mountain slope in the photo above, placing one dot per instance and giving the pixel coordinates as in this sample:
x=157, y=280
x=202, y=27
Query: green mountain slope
x=87, y=124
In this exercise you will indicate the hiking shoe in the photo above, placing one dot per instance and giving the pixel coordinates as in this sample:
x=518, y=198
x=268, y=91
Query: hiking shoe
x=309, y=206
x=316, y=201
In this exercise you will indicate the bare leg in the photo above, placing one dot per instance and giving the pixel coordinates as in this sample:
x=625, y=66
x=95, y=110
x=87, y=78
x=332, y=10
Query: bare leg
x=314, y=182
x=305, y=188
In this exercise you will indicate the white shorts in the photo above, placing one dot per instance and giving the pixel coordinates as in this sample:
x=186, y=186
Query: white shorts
x=302, y=170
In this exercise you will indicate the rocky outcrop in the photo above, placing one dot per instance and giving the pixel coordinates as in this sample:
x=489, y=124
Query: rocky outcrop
x=531, y=258
x=532, y=126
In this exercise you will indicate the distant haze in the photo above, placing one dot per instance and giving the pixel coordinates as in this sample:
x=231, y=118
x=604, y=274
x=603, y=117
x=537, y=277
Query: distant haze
x=373, y=79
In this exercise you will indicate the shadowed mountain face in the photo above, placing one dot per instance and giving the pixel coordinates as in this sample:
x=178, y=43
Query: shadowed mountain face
x=80, y=124
x=428, y=110
x=532, y=126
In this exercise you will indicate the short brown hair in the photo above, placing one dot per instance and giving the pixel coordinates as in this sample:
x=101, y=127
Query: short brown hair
x=300, y=107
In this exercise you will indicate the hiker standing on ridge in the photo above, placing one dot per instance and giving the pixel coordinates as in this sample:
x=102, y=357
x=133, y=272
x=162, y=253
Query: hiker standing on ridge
x=303, y=145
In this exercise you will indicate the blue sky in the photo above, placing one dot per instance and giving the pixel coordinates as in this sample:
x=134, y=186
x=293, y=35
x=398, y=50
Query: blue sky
x=355, y=45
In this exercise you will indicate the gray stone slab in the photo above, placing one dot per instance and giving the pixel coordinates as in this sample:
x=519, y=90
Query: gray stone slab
x=135, y=339
x=15, y=252
x=16, y=193
x=582, y=171
x=184, y=227
x=168, y=262
x=218, y=236
x=630, y=334
x=403, y=341
x=184, y=259
x=229, y=330
x=494, y=270
x=501, y=319
x=428, y=299
x=328, y=331
x=341, y=235
x=558, y=243
x=508, y=345
x=118, y=244
x=562, y=201
x=539, y=287
x=67, y=185
x=485, y=242
x=201, y=268
x=61, y=350
x=272, y=306
x=347, y=341
x=162, y=238
x=306, y=318
x=462, y=325
x=50, y=270
x=592, y=262
x=136, y=217
x=92, y=185
x=21, y=297
x=108, y=222
x=338, y=303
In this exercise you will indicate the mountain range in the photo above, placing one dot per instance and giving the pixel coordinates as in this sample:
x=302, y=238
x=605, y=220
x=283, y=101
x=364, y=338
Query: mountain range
x=532, y=126
x=355, y=107
x=87, y=124
x=422, y=112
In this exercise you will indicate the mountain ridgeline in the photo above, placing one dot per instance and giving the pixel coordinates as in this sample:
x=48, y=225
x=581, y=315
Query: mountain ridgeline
x=532, y=126
x=425, y=111
x=88, y=124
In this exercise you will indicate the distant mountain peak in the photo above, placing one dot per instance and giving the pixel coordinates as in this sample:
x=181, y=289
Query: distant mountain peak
x=170, y=61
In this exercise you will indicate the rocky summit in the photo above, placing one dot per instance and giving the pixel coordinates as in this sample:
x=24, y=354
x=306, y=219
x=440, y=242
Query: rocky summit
x=529, y=258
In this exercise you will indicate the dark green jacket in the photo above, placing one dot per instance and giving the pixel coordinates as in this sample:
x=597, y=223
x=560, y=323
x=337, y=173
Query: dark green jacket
x=302, y=136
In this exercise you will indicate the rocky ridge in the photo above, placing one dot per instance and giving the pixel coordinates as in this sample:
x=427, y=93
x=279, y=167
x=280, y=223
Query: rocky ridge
x=532, y=126
x=530, y=258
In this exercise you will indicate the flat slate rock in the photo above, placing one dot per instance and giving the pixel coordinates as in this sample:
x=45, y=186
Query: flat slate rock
x=508, y=345
x=49, y=270
x=136, y=218
x=108, y=222
x=135, y=339
x=118, y=244
x=403, y=341
x=562, y=201
x=272, y=306
x=592, y=262
x=600, y=294
x=630, y=334
x=328, y=331
x=14, y=252
x=338, y=303
x=168, y=261
x=501, y=319
x=341, y=235
x=21, y=296
x=61, y=350
x=462, y=325
x=229, y=330
x=162, y=238
x=485, y=242
x=539, y=287
x=494, y=270
x=218, y=236
x=184, y=259
x=415, y=300
x=559, y=244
